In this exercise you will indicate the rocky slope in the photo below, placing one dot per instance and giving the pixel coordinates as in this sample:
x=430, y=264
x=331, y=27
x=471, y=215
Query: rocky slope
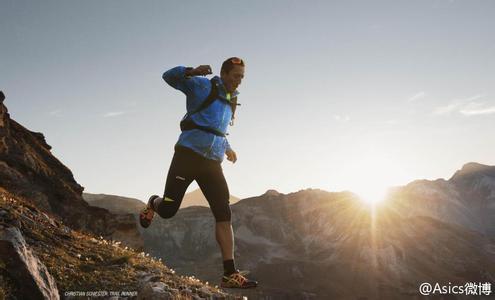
x=54, y=245
x=41, y=258
x=466, y=199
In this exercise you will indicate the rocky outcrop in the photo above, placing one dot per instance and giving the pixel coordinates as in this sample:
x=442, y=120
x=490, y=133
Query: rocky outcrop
x=152, y=288
x=114, y=204
x=28, y=169
x=24, y=267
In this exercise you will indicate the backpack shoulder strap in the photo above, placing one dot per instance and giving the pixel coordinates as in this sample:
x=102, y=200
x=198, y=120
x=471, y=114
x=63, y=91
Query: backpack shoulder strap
x=233, y=105
x=210, y=99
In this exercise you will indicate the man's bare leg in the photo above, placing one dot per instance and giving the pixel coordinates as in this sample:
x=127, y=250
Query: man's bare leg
x=225, y=238
x=232, y=278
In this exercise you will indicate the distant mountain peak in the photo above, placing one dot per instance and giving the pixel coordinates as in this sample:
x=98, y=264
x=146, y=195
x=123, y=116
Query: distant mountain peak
x=473, y=168
x=271, y=192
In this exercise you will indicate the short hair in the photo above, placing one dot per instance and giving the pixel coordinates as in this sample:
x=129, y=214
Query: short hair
x=229, y=64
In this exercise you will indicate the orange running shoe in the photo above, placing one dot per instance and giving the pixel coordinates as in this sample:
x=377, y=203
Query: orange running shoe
x=238, y=280
x=147, y=213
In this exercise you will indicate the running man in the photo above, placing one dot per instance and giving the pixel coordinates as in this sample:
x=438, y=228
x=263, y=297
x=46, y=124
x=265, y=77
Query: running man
x=199, y=152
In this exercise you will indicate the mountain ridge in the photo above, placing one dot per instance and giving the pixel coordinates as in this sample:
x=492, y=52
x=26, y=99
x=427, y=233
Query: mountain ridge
x=120, y=204
x=472, y=168
x=291, y=241
x=326, y=232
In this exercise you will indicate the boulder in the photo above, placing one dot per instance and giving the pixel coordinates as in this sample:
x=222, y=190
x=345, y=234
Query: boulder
x=154, y=290
x=22, y=265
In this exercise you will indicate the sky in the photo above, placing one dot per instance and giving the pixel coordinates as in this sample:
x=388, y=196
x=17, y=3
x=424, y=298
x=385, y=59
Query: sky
x=337, y=95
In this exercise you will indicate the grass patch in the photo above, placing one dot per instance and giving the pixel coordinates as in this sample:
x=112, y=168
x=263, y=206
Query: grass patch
x=83, y=262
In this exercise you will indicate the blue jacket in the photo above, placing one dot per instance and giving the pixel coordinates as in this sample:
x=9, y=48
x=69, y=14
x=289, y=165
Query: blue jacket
x=216, y=116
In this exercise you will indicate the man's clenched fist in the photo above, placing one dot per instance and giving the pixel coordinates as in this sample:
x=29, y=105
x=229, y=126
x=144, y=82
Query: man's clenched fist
x=202, y=70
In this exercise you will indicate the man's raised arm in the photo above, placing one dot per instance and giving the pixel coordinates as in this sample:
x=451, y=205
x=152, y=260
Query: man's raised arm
x=179, y=77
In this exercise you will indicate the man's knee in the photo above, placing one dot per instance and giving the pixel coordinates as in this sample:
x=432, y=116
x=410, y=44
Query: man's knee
x=166, y=210
x=222, y=214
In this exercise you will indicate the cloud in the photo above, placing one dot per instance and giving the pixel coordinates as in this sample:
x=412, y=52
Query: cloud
x=478, y=111
x=417, y=96
x=475, y=97
x=56, y=112
x=464, y=106
x=113, y=114
x=444, y=110
x=340, y=118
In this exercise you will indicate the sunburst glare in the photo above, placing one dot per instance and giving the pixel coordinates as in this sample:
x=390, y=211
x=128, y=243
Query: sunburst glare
x=373, y=172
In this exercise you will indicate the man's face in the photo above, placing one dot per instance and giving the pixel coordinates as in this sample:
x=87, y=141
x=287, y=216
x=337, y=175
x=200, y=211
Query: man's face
x=232, y=79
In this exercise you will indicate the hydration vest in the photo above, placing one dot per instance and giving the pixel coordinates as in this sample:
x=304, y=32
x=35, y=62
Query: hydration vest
x=188, y=124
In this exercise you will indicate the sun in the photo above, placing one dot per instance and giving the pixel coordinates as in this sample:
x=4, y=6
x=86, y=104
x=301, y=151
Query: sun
x=371, y=173
x=372, y=194
x=372, y=186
